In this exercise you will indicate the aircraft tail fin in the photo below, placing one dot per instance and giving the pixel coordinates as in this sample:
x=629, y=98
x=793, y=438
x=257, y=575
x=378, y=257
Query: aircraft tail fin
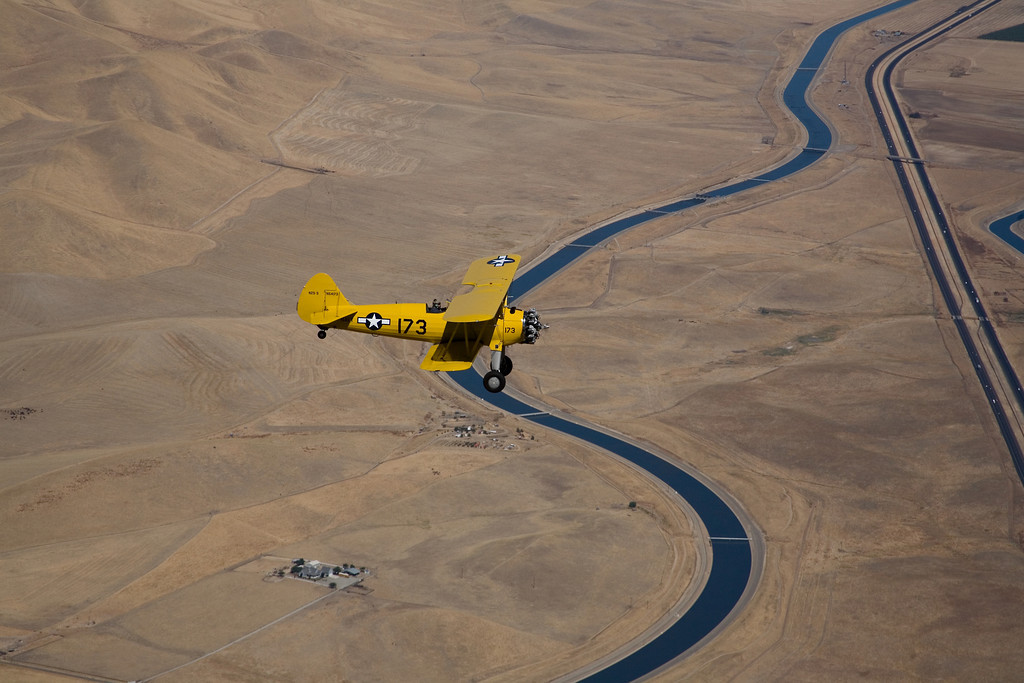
x=321, y=301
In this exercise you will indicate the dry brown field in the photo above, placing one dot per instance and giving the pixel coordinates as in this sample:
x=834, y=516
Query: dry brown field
x=171, y=432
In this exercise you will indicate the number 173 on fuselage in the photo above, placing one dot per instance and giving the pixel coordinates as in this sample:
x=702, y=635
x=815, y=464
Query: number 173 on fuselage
x=480, y=317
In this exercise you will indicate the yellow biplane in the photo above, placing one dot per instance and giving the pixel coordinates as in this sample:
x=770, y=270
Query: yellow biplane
x=480, y=317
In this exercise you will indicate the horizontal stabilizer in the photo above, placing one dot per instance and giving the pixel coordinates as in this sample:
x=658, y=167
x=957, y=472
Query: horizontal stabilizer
x=332, y=315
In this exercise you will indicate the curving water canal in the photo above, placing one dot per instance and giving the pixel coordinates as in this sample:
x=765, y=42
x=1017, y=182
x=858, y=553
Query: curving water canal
x=734, y=569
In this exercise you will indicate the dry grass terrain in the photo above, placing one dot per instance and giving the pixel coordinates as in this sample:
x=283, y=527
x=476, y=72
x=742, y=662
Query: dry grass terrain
x=171, y=431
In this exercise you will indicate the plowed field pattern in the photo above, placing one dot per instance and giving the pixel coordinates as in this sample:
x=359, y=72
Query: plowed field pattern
x=350, y=132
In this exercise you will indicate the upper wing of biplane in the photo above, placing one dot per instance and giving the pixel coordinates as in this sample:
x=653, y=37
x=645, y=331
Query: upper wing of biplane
x=490, y=278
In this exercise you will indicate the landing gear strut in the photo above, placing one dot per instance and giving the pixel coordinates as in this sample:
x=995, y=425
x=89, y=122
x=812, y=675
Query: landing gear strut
x=501, y=365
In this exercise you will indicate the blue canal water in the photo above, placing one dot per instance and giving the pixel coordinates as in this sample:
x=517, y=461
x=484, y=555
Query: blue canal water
x=794, y=96
x=1001, y=229
x=718, y=518
x=731, y=556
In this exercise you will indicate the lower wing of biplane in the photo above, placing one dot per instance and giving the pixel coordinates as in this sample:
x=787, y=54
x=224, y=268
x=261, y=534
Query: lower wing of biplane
x=480, y=317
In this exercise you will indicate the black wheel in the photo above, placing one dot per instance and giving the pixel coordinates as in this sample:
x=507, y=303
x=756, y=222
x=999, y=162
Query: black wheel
x=322, y=334
x=506, y=365
x=494, y=382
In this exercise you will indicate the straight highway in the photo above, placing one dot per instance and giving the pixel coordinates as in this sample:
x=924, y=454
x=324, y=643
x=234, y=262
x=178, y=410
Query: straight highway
x=999, y=381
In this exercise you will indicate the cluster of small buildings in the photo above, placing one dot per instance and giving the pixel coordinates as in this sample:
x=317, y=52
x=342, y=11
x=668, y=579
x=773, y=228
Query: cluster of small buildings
x=882, y=34
x=462, y=431
x=314, y=570
x=21, y=413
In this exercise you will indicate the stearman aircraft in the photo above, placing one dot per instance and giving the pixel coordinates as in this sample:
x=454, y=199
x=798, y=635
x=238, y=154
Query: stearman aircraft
x=480, y=317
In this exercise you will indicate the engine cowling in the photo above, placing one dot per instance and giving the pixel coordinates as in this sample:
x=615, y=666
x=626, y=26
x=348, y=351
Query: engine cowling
x=520, y=326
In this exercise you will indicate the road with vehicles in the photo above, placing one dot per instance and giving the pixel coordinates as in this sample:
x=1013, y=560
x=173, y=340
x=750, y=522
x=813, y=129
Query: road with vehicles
x=963, y=303
x=737, y=551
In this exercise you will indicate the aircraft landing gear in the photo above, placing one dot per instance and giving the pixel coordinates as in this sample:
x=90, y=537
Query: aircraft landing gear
x=322, y=334
x=501, y=365
x=494, y=382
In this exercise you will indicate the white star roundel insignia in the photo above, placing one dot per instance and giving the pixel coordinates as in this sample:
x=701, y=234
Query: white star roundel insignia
x=374, y=321
x=500, y=261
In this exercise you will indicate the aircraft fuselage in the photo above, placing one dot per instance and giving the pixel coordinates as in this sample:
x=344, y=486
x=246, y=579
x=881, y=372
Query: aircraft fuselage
x=417, y=321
